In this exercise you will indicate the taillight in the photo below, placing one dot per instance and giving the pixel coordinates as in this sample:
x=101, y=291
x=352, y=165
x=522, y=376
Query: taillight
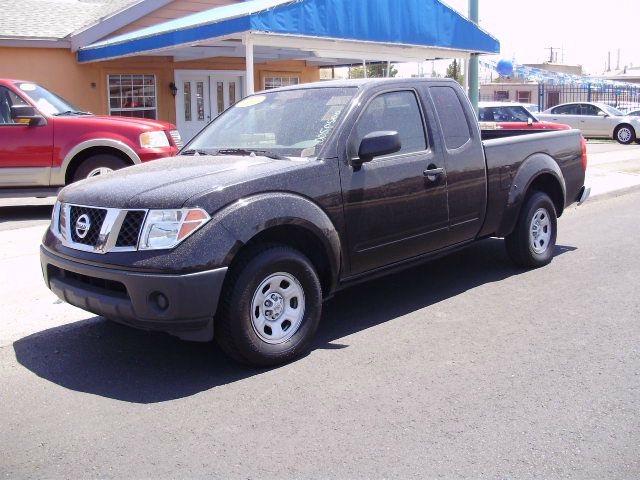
x=583, y=144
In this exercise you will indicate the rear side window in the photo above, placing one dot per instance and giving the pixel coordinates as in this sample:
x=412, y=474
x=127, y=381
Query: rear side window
x=395, y=111
x=452, y=118
x=566, y=110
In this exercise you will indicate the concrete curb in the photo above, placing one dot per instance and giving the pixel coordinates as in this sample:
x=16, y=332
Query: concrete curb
x=613, y=194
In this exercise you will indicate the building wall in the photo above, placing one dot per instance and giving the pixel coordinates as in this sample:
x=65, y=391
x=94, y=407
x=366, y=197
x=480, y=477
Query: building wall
x=490, y=92
x=86, y=85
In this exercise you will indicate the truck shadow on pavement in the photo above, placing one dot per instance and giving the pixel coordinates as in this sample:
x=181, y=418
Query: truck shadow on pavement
x=22, y=213
x=103, y=358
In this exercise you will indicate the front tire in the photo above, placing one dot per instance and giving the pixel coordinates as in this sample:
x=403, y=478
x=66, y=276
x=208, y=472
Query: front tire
x=98, y=165
x=533, y=241
x=625, y=134
x=271, y=307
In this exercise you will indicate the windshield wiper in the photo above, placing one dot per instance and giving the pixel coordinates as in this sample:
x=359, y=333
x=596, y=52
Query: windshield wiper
x=194, y=151
x=250, y=153
x=72, y=112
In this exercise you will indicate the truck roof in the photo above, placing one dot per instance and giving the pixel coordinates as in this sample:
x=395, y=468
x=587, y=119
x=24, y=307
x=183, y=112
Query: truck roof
x=361, y=83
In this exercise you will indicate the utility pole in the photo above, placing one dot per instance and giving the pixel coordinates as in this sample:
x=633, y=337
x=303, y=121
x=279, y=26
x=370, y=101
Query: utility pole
x=554, y=58
x=474, y=16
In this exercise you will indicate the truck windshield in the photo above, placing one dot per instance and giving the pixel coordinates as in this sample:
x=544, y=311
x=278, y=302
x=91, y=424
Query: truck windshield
x=46, y=101
x=293, y=123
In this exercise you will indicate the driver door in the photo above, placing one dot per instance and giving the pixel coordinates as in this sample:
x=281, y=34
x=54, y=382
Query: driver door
x=26, y=152
x=392, y=210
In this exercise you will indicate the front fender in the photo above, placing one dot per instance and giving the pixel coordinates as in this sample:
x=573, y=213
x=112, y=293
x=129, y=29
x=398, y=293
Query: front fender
x=532, y=168
x=248, y=217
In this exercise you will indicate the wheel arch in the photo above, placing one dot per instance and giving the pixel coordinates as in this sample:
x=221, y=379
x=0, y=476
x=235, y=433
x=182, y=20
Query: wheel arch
x=87, y=149
x=540, y=172
x=287, y=219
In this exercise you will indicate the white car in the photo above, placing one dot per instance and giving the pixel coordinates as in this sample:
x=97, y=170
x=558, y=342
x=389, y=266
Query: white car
x=596, y=120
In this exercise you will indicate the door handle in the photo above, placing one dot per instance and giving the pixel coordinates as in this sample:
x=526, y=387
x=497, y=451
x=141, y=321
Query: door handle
x=433, y=173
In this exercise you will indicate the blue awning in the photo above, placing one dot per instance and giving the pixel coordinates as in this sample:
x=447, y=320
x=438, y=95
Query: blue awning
x=408, y=23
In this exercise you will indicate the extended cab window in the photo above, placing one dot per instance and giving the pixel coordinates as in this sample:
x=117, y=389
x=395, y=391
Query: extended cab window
x=394, y=111
x=7, y=100
x=452, y=118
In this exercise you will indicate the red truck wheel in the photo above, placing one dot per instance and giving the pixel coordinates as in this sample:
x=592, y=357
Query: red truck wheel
x=98, y=165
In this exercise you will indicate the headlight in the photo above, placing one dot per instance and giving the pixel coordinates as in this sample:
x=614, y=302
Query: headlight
x=154, y=139
x=167, y=228
x=55, y=218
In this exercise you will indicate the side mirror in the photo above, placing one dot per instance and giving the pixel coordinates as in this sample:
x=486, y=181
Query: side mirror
x=603, y=114
x=376, y=144
x=529, y=121
x=27, y=114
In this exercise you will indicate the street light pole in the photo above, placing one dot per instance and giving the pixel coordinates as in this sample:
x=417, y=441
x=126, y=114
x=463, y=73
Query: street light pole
x=473, y=61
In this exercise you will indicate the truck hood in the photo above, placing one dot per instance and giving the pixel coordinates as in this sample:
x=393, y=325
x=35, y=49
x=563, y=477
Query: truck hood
x=171, y=182
x=101, y=121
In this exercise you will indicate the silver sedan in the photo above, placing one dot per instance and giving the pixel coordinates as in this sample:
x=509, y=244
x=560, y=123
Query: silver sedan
x=596, y=120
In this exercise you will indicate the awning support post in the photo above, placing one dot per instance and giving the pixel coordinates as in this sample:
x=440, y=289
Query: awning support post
x=249, y=80
x=473, y=62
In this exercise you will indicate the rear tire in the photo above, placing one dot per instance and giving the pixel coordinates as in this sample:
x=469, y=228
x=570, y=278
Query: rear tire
x=98, y=165
x=271, y=307
x=625, y=134
x=533, y=240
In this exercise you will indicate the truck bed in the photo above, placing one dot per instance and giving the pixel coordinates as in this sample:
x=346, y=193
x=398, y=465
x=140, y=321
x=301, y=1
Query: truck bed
x=505, y=156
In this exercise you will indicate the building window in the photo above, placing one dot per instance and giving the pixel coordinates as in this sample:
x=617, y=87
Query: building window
x=280, y=81
x=523, y=96
x=501, y=95
x=133, y=96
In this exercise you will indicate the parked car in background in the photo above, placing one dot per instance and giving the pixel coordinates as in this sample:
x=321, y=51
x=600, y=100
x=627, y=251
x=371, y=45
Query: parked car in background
x=596, y=120
x=46, y=142
x=500, y=119
x=532, y=107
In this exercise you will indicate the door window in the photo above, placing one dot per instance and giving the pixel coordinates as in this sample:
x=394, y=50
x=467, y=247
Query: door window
x=7, y=99
x=590, y=110
x=394, y=111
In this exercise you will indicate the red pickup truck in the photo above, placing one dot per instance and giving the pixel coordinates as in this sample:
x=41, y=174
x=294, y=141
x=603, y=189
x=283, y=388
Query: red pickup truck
x=46, y=142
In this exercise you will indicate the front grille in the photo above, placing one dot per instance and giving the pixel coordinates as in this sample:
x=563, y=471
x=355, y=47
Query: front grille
x=130, y=230
x=95, y=216
x=176, y=138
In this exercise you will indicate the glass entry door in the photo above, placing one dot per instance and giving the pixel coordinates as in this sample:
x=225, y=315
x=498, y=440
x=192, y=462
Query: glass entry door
x=201, y=98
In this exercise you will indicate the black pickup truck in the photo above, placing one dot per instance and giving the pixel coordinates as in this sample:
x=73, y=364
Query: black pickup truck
x=294, y=194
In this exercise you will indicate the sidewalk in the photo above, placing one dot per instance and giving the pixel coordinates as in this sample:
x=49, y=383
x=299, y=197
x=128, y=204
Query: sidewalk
x=612, y=167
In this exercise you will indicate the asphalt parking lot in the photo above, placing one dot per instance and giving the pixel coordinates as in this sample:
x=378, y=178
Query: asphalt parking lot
x=463, y=368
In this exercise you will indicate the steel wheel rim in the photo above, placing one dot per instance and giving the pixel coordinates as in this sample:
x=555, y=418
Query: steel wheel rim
x=624, y=134
x=277, y=308
x=99, y=171
x=540, y=231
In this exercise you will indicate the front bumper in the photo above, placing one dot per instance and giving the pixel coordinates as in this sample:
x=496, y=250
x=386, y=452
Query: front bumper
x=182, y=305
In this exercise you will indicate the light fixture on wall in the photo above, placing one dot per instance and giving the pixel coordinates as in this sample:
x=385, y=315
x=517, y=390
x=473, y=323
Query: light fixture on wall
x=173, y=88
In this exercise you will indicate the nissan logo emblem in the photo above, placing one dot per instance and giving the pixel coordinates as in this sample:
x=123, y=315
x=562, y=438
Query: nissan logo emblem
x=83, y=224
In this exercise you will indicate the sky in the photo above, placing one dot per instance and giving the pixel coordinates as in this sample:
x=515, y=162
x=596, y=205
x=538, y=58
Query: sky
x=585, y=29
